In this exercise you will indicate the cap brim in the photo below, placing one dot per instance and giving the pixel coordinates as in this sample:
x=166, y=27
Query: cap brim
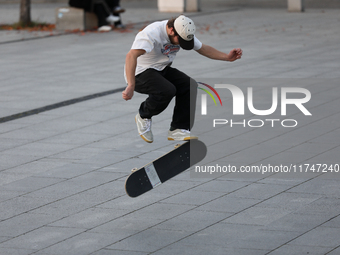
x=186, y=45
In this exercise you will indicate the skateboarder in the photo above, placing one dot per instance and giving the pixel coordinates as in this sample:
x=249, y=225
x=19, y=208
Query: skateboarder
x=148, y=71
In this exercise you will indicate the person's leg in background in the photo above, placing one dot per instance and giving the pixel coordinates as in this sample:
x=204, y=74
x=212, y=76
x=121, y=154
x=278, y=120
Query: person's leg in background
x=114, y=5
x=104, y=15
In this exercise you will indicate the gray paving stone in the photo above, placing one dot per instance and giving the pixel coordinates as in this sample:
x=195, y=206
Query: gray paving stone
x=20, y=205
x=149, y=240
x=63, y=171
x=39, y=149
x=41, y=238
x=10, y=161
x=118, y=252
x=89, y=218
x=335, y=223
x=16, y=251
x=11, y=143
x=317, y=237
x=229, y=204
x=82, y=185
x=205, y=248
x=300, y=249
x=163, y=211
x=30, y=184
x=27, y=134
x=298, y=222
x=220, y=186
x=34, y=167
x=193, y=221
x=84, y=243
x=67, y=171
x=77, y=154
x=334, y=251
x=326, y=187
x=259, y=191
x=76, y=138
x=266, y=239
x=107, y=158
x=220, y=235
x=257, y=216
x=24, y=223
x=61, y=127
x=7, y=194
x=331, y=137
x=127, y=227
x=289, y=201
x=323, y=206
x=329, y=157
x=64, y=207
x=193, y=197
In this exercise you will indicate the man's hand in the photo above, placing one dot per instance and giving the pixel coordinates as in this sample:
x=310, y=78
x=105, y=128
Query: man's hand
x=130, y=68
x=234, y=54
x=127, y=94
x=212, y=53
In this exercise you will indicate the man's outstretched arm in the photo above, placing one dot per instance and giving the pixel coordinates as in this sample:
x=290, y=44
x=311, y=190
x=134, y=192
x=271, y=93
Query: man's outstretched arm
x=130, y=69
x=213, y=53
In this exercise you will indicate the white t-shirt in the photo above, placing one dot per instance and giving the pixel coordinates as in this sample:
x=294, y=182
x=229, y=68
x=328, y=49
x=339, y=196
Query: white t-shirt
x=160, y=52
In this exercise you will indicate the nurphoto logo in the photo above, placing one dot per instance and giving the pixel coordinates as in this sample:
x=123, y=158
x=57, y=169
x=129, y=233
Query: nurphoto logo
x=288, y=96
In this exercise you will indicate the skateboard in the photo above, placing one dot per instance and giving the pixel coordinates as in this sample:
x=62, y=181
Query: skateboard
x=164, y=168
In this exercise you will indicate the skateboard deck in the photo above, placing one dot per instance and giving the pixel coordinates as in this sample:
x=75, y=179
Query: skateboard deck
x=165, y=167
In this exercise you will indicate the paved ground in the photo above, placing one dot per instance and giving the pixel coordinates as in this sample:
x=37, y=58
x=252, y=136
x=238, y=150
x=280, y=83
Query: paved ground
x=62, y=171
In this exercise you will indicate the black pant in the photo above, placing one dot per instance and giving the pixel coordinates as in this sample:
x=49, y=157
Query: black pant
x=162, y=86
x=103, y=8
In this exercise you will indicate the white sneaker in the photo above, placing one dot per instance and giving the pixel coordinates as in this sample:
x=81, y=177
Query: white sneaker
x=104, y=29
x=144, y=128
x=112, y=19
x=180, y=135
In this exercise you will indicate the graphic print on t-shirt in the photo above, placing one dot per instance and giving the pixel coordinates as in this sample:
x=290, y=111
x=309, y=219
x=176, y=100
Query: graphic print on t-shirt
x=169, y=48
